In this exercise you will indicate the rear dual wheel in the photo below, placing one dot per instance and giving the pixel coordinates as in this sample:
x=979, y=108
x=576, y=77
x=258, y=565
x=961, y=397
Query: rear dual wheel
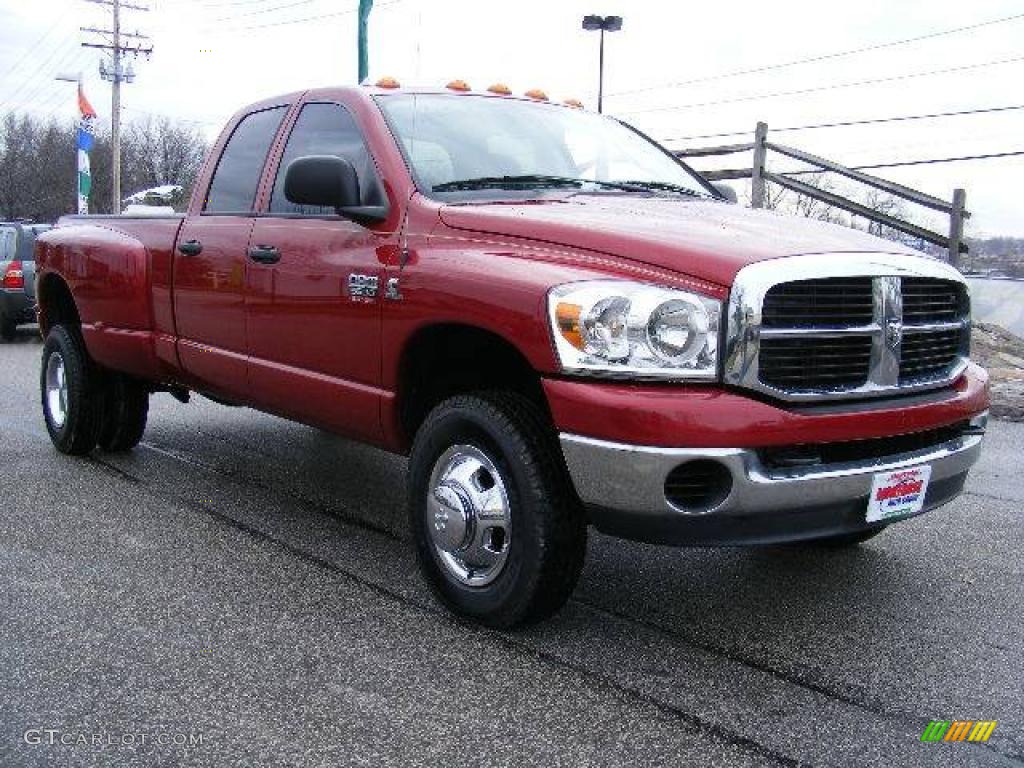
x=124, y=411
x=84, y=406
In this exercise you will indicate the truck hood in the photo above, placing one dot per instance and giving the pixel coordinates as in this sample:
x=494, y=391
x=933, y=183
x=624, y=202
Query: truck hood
x=706, y=239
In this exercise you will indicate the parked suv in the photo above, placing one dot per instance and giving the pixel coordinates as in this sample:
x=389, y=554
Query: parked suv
x=17, y=275
x=558, y=321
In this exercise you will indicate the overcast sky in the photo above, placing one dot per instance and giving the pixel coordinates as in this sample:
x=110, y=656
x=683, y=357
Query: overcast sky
x=213, y=56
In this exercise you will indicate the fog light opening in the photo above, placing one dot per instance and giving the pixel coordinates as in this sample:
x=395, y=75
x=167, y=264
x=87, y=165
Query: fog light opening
x=698, y=486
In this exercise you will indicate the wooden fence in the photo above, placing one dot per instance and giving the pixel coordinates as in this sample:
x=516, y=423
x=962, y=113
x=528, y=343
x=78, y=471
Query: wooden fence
x=759, y=175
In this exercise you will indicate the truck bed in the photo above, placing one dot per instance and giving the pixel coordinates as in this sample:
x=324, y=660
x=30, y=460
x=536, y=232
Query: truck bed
x=119, y=268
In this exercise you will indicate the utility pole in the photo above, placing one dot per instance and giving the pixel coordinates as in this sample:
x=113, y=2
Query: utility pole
x=118, y=73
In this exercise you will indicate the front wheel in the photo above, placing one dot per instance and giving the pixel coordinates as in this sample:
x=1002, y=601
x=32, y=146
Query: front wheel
x=499, y=533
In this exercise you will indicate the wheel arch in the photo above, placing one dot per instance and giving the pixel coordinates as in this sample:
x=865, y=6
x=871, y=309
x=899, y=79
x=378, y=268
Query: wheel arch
x=56, y=303
x=443, y=360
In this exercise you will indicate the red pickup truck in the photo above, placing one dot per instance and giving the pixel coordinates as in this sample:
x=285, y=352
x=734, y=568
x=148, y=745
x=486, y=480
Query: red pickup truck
x=558, y=321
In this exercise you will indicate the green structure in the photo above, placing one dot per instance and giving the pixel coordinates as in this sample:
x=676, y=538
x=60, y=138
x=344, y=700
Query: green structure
x=365, y=6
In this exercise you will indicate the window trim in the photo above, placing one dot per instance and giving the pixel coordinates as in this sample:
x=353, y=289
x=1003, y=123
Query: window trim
x=254, y=209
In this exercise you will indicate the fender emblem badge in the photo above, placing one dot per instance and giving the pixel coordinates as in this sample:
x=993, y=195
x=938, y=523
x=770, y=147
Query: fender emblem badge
x=363, y=286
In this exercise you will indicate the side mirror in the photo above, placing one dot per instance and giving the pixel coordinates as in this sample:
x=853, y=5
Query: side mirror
x=725, y=191
x=330, y=181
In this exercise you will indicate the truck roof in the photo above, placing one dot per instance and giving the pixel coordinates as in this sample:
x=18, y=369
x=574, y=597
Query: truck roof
x=370, y=90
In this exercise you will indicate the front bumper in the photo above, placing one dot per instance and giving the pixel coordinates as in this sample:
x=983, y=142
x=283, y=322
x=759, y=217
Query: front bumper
x=624, y=489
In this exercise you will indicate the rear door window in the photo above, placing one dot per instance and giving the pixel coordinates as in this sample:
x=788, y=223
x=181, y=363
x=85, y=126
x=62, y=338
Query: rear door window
x=233, y=189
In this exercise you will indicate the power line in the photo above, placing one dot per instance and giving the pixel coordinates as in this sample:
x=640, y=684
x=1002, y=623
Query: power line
x=266, y=10
x=845, y=123
x=32, y=48
x=904, y=163
x=832, y=87
x=227, y=3
x=54, y=105
x=34, y=85
x=822, y=57
x=285, y=22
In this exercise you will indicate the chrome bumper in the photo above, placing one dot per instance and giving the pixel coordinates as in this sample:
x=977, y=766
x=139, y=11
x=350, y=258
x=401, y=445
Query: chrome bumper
x=624, y=487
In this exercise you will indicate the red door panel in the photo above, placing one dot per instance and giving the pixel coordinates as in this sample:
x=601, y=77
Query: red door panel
x=209, y=302
x=315, y=349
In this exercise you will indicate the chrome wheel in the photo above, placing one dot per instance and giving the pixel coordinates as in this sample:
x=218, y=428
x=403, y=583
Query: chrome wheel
x=468, y=515
x=56, y=390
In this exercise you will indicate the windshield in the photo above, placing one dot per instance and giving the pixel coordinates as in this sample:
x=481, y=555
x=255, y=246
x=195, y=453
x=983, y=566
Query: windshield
x=457, y=143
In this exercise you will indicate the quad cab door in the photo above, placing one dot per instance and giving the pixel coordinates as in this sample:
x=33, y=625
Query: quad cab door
x=210, y=262
x=315, y=287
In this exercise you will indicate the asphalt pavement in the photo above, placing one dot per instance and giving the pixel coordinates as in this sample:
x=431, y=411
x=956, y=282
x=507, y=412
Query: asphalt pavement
x=240, y=591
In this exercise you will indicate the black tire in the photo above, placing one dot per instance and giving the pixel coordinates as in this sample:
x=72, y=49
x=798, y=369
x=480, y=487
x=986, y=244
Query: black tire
x=847, y=540
x=548, y=532
x=124, y=410
x=77, y=433
x=8, y=329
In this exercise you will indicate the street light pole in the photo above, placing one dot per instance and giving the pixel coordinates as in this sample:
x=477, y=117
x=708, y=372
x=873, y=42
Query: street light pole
x=72, y=78
x=602, y=24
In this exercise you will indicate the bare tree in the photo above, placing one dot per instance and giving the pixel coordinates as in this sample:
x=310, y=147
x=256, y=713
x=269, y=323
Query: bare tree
x=886, y=204
x=813, y=208
x=779, y=198
x=38, y=164
x=774, y=196
x=19, y=147
x=160, y=153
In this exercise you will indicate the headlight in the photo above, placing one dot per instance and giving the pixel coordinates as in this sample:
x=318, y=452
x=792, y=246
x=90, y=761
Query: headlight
x=617, y=327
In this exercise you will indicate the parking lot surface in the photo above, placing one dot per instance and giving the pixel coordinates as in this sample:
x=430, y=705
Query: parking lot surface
x=246, y=583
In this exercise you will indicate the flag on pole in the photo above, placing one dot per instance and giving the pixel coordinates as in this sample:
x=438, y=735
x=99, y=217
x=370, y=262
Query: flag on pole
x=84, y=107
x=85, y=141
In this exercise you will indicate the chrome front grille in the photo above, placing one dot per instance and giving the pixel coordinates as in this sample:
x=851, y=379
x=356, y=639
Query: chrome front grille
x=846, y=325
x=809, y=303
x=926, y=300
x=813, y=363
x=928, y=354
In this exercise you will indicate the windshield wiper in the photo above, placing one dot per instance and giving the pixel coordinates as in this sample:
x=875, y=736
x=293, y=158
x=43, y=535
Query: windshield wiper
x=530, y=180
x=663, y=186
x=540, y=181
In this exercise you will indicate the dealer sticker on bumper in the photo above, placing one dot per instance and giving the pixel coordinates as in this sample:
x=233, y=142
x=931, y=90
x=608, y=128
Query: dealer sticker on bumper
x=898, y=493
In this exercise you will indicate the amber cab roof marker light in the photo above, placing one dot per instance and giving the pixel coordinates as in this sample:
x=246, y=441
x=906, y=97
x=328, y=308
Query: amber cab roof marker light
x=536, y=93
x=501, y=89
x=458, y=85
x=388, y=82
x=574, y=103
